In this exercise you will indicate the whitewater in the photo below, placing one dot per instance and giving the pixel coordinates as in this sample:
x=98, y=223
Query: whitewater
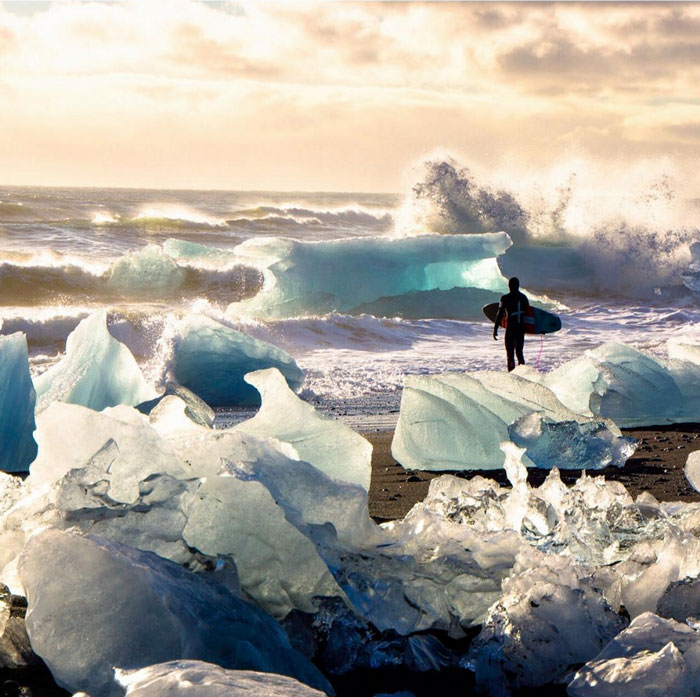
x=361, y=289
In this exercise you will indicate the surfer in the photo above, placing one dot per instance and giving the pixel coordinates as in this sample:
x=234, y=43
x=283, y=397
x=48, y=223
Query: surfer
x=513, y=305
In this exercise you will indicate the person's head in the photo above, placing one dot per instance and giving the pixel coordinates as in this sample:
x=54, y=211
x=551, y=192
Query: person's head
x=514, y=284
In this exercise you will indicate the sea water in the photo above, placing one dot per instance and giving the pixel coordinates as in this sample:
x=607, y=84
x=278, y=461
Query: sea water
x=615, y=270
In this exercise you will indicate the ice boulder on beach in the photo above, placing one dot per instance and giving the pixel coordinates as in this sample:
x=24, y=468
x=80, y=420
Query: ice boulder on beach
x=17, y=401
x=457, y=421
x=620, y=383
x=146, y=272
x=95, y=605
x=200, y=679
x=653, y=657
x=97, y=371
x=327, y=444
x=212, y=359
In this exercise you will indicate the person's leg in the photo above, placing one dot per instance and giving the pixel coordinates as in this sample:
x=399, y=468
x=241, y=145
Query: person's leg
x=519, y=344
x=510, y=350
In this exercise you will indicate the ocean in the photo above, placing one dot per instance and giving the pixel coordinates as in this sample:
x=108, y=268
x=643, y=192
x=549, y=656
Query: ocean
x=379, y=286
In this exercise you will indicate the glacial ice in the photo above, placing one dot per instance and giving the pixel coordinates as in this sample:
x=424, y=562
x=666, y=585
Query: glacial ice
x=95, y=605
x=620, y=383
x=306, y=278
x=97, y=371
x=200, y=679
x=17, y=401
x=549, y=617
x=456, y=421
x=320, y=440
x=654, y=657
x=692, y=470
x=146, y=272
x=212, y=359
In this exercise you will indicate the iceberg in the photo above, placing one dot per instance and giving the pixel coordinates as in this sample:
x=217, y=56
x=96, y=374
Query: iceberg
x=95, y=605
x=308, y=278
x=457, y=421
x=200, y=679
x=320, y=440
x=97, y=371
x=654, y=657
x=212, y=359
x=17, y=400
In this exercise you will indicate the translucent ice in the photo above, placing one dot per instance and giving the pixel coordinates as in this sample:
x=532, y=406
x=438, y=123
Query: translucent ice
x=211, y=359
x=457, y=421
x=692, y=469
x=97, y=371
x=303, y=278
x=329, y=445
x=200, y=679
x=144, y=273
x=17, y=400
x=654, y=657
x=69, y=436
x=95, y=605
x=621, y=383
x=549, y=618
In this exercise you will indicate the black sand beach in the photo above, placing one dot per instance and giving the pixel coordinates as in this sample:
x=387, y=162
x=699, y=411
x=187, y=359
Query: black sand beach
x=656, y=467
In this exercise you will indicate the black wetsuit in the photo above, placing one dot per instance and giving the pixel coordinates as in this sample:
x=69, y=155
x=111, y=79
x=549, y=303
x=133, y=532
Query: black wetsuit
x=513, y=305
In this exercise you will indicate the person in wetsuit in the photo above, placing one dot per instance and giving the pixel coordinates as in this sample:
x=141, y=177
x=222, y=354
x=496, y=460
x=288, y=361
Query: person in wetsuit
x=513, y=306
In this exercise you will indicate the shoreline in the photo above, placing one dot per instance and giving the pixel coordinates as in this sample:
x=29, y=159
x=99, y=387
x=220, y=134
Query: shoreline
x=657, y=467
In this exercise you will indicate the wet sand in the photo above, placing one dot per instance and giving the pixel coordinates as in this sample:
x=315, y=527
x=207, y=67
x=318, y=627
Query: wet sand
x=656, y=467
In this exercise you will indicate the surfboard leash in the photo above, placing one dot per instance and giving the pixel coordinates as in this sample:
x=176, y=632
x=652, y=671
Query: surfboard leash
x=539, y=355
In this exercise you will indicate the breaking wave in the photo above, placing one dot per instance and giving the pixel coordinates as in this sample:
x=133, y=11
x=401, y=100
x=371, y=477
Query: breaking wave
x=623, y=230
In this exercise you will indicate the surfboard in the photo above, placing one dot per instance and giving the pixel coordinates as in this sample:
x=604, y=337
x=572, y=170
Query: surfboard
x=536, y=320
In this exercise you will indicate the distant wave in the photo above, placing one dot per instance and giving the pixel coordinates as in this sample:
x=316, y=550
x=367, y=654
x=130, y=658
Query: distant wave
x=147, y=274
x=341, y=218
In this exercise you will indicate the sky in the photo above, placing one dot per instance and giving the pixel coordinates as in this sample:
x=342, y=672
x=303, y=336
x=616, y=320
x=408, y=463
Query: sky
x=337, y=96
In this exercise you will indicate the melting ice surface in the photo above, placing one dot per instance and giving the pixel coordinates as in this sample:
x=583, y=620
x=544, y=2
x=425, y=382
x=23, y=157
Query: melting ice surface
x=97, y=371
x=17, y=401
x=305, y=278
x=212, y=359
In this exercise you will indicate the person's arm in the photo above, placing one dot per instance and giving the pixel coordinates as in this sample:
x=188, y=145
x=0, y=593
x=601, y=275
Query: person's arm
x=499, y=317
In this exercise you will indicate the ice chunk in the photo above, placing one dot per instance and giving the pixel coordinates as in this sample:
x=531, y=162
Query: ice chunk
x=211, y=359
x=95, y=605
x=692, y=469
x=97, y=371
x=17, y=400
x=200, y=679
x=308, y=278
x=451, y=422
x=329, y=445
x=653, y=656
x=570, y=444
x=311, y=499
x=680, y=600
x=457, y=421
x=684, y=348
x=195, y=409
x=621, y=383
x=147, y=272
x=277, y=565
x=69, y=436
x=550, y=617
